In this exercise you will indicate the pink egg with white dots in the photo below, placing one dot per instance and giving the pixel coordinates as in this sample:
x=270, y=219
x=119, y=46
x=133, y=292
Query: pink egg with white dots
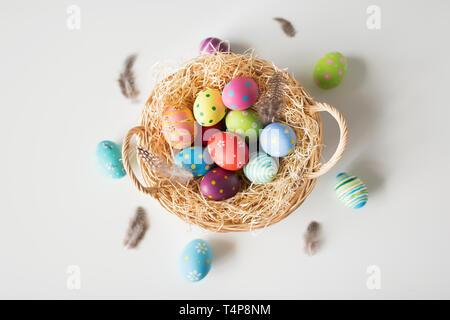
x=240, y=93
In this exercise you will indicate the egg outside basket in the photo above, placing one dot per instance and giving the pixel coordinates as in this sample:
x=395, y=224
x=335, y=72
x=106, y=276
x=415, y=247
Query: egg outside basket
x=255, y=206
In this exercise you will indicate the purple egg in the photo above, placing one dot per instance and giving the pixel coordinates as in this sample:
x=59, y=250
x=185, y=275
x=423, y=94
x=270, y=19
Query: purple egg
x=211, y=45
x=219, y=184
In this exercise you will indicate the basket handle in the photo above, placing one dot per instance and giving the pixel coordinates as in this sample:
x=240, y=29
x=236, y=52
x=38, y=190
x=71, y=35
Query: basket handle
x=322, y=169
x=139, y=130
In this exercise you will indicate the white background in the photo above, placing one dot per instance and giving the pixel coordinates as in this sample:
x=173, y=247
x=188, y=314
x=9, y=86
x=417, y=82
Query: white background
x=59, y=98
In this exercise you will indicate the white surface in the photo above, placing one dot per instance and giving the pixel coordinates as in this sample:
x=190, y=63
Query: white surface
x=60, y=98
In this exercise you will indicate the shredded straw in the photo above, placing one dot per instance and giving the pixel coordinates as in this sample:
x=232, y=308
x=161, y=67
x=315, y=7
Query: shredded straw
x=254, y=206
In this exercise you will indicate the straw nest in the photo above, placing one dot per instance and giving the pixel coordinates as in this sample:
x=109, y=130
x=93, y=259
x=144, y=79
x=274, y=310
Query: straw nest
x=254, y=206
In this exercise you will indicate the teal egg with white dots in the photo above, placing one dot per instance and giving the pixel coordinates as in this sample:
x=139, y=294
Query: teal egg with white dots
x=195, y=260
x=261, y=168
x=351, y=191
x=278, y=139
x=109, y=159
x=194, y=159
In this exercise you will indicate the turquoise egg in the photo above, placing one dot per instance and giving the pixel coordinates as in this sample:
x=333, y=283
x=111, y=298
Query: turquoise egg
x=277, y=139
x=194, y=159
x=195, y=260
x=109, y=159
x=351, y=191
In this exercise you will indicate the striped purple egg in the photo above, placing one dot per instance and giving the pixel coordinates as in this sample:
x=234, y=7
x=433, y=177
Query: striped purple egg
x=211, y=45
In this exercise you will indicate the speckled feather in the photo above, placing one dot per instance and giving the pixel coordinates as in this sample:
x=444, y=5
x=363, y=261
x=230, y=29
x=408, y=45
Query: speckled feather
x=287, y=27
x=127, y=79
x=312, y=238
x=163, y=168
x=137, y=228
x=270, y=102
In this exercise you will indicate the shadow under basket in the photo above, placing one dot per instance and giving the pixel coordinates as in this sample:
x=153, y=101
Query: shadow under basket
x=255, y=206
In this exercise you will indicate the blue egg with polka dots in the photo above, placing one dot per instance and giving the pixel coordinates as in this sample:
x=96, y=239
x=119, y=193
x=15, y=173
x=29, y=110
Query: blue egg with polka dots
x=109, y=159
x=278, y=139
x=195, y=260
x=194, y=159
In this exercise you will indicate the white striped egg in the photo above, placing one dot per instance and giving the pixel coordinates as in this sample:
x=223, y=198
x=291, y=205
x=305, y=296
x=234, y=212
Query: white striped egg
x=351, y=191
x=261, y=168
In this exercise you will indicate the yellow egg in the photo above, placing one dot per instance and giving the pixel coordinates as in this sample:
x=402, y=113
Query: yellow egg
x=208, y=107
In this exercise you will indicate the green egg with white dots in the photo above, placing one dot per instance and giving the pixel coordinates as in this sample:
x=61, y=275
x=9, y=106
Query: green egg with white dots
x=243, y=122
x=330, y=70
x=208, y=107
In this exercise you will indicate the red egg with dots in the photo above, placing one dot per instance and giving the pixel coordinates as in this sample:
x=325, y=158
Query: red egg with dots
x=203, y=134
x=219, y=184
x=240, y=93
x=228, y=150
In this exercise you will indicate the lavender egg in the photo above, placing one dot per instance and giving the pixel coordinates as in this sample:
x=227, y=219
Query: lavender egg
x=219, y=184
x=212, y=45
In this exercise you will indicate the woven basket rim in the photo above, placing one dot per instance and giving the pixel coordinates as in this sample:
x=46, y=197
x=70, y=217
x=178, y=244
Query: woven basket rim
x=163, y=191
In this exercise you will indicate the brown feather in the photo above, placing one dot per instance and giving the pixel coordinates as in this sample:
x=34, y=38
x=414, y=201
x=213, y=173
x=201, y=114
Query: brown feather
x=287, y=27
x=136, y=229
x=127, y=79
x=312, y=238
x=163, y=168
x=271, y=101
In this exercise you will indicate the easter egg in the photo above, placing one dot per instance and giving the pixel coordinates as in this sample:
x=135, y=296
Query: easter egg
x=243, y=122
x=194, y=159
x=208, y=107
x=109, y=159
x=195, y=260
x=178, y=126
x=219, y=184
x=277, y=139
x=228, y=150
x=203, y=134
x=351, y=191
x=261, y=168
x=240, y=93
x=212, y=45
x=330, y=70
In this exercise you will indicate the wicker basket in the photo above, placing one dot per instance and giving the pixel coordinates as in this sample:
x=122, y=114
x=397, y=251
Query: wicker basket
x=255, y=206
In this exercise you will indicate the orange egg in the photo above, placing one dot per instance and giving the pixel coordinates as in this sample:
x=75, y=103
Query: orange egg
x=178, y=126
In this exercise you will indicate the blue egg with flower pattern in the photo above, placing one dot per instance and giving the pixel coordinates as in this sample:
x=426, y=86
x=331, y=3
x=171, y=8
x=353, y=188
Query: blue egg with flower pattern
x=195, y=260
x=109, y=159
x=278, y=139
x=194, y=159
